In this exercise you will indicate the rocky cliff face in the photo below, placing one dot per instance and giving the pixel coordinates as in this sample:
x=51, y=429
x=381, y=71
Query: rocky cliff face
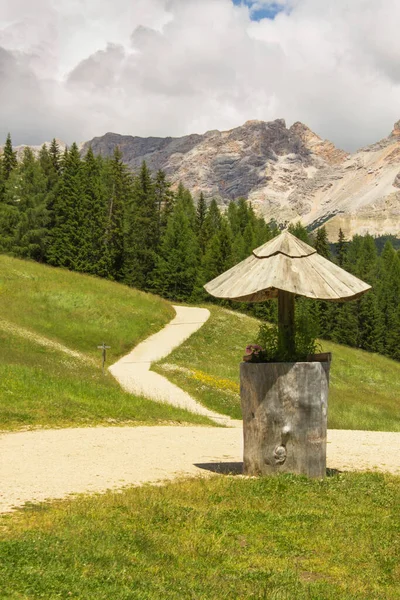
x=287, y=173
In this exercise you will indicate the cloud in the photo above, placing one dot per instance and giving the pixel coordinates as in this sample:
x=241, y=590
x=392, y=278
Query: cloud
x=78, y=68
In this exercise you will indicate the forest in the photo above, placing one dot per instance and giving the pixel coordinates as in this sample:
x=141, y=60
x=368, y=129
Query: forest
x=92, y=215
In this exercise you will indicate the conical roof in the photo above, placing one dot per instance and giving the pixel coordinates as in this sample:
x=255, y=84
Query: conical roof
x=288, y=264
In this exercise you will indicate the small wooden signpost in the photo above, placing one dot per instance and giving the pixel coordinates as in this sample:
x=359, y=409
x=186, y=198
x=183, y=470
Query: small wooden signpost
x=104, y=348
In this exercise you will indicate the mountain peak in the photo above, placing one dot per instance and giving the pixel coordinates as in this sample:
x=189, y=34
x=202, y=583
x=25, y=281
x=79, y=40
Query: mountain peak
x=322, y=148
x=396, y=130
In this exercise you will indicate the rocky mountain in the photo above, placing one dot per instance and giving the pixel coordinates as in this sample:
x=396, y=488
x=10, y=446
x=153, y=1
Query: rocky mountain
x=287, y=173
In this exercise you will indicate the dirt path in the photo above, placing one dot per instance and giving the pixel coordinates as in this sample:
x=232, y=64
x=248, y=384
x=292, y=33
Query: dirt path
x=48, y=464
x=133, y=370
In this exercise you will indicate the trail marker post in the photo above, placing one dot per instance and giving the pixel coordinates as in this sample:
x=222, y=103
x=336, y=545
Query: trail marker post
x=104, y=348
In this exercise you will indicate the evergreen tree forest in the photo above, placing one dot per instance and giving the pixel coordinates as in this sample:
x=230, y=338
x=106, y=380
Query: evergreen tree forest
x=92, y=215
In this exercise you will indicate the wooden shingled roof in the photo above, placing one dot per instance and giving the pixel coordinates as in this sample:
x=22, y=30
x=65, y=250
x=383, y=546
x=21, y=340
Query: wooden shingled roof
x=286, y=263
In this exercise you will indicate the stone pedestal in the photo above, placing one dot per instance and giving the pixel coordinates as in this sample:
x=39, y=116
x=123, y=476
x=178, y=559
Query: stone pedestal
x=284, y=407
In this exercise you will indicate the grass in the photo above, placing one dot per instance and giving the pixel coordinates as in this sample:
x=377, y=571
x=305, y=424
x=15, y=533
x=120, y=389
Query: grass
x=364, y=389
x=284, y=538
x=51, y=322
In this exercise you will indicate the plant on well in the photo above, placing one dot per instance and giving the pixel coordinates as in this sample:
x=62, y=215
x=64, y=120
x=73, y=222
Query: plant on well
x=269, y=345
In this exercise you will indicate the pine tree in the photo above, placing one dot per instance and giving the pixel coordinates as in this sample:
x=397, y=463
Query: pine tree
x=218, y=255
x=341, y=248
x=55, y=155
x=90, y=257
x=177, y=263
x=184, y=197
x=369, y=330
x=9, y=158
x=300, y=232
x=26, y=192
x=201, y=213
x=322, y=244
x=65, y=237
x=239, y=252
x=346, y=325
x=164, y=199
x=233, y=218
x=262, y=231
x=141, y=232
x=249, y=239
x=212, y=221
x=367, y=259
x=119, y=197
x=243, y=215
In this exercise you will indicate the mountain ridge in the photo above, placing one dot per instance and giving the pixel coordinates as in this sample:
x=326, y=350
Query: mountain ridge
x=286, y=173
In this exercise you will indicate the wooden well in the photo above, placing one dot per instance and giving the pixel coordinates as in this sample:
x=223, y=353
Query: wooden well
x=284, y=405
x=284, y=408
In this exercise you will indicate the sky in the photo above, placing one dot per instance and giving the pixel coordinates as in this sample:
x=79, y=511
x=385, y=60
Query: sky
x=75, y=69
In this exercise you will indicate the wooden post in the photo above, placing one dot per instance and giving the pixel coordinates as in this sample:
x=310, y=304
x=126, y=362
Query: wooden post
x=286, y=324
x=104, y=348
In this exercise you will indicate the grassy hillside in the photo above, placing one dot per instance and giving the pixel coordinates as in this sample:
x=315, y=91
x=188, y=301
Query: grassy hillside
x=225, y=538
x=51, y=322
x=364, y=390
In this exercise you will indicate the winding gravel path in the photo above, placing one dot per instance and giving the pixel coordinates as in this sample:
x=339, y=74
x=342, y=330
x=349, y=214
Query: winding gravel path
x=49, y=464
x=40, y=465
x=133, y=370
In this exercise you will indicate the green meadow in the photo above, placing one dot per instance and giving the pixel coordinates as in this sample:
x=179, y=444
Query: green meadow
x=51, y=322
x=364, y=388
x=223, y=538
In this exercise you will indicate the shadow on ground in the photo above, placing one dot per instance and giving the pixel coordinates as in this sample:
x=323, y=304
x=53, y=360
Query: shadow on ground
x=224, y=468
x=236, y=468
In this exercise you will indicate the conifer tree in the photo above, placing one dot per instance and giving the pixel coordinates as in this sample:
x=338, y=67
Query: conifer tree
x=201, y=213
x=369, y=331
x=141, y=232
x=244, y=214
x=218, y=255
x=341, y=248
x=298, y=230
x=65, y=236
x=119, y=197
x=346, y=324
x=26, y=192
x=239, y=252
x=233, y=218
x=9, y=158
x=212, y=221
x=175, y=273
x=262, y=231
x=55, y=155
x=322, y=244
x=184, y=197
x=249, y=239
x=90, y=256
x=164, y=199
x=2, y=180
x=367, y=259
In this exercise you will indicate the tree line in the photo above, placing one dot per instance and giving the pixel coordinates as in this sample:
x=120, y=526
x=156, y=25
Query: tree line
x=91, y=214
x=372, y=322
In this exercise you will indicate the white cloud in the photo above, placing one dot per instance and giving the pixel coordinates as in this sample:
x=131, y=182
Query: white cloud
x=78, y=68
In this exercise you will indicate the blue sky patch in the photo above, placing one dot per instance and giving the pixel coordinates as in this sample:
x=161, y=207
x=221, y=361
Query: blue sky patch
x=268, y=11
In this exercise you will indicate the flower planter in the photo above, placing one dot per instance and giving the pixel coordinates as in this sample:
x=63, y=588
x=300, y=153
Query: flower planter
x=284, y=407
